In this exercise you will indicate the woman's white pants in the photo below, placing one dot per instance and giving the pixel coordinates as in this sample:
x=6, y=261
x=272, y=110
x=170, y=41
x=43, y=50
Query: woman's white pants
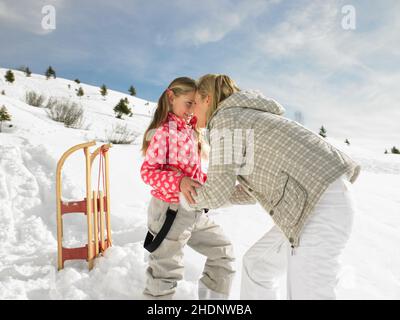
x=312, y=268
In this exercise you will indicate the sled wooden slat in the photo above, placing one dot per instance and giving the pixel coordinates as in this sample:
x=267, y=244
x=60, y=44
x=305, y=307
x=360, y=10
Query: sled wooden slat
x=107, y=203
x=73, y=207
x=74, y=253
x=89, y=207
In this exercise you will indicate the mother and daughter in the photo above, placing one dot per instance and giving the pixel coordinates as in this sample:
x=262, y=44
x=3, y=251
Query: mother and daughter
x=300, y=179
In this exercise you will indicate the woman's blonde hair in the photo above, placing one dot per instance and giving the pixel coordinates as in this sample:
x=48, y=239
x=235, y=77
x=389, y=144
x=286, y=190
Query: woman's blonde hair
x=218, y=87
x=179, y=86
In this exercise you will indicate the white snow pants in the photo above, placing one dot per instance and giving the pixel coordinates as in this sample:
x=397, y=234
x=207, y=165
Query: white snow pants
x=311, y=269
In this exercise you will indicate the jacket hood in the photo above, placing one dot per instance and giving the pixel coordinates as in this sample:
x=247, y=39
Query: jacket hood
x=250, y=99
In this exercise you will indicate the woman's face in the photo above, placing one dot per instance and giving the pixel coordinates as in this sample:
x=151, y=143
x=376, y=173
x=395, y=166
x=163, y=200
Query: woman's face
x=182, y=105
x=200, y=109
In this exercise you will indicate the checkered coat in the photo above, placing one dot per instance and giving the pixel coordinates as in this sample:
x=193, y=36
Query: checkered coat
x=257, y=155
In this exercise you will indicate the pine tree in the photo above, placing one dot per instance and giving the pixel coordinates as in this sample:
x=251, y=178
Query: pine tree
x=77, y=81
x=80, y=92
x=395, y=150
x=50, y=73
x=347, y=142
x=103, y=90
x=122, y=108
x=132, y=91
x=322, y=132
x=4, y=116
x=9, y=76
x=27, y=72
x=386, y=152
x=3, y=92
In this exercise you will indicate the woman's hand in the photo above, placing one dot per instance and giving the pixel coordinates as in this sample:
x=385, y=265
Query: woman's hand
x=188, y=187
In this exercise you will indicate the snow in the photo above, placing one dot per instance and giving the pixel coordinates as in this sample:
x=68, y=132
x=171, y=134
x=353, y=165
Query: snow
x=29, y=152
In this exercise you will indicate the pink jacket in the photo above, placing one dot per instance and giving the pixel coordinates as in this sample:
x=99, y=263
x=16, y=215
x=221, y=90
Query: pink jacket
x=171, y=155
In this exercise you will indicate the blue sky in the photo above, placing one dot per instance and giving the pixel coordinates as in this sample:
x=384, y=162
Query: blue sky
x=294, y=51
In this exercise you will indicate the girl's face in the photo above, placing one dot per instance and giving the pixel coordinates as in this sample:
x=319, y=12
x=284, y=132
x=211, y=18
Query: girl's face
x=182, y=105
x=200, y=109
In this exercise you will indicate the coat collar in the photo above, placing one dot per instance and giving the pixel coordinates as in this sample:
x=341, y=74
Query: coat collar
x=181, y=123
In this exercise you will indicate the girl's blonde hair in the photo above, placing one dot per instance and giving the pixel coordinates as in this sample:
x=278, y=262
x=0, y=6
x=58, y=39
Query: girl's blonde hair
x=218, y=87
x=178, y=86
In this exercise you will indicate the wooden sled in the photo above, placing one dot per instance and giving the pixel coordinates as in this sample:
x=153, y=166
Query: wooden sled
x=96, y=206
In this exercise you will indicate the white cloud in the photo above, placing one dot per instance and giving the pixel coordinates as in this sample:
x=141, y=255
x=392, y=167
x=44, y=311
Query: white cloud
x=212, y=20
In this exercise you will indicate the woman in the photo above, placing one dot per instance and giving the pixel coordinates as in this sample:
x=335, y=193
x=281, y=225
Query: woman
x=298, y=178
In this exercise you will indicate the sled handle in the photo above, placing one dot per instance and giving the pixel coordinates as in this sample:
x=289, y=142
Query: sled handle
x=72, y=150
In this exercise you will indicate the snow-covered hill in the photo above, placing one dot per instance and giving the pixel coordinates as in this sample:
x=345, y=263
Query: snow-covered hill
x=29, y=151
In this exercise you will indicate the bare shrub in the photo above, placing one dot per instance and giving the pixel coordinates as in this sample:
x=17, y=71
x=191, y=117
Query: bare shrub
x=67, y=112
x=121, y=134
x=51, y=103
x=34, y=99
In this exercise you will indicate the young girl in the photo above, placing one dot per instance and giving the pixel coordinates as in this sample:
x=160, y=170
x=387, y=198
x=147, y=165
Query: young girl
x=172, y=159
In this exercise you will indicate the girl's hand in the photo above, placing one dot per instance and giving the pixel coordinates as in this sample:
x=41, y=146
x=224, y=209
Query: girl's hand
x=188, y=187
